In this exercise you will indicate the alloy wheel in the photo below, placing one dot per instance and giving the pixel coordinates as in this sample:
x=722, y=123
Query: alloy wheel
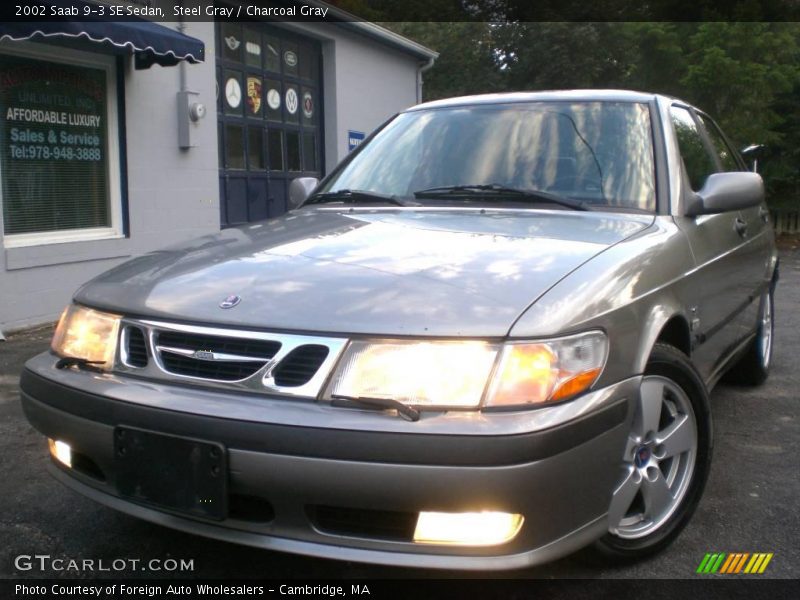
x=659, y=460
x=766, y=331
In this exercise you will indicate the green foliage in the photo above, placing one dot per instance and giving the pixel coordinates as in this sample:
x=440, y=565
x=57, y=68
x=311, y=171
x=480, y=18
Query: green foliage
x=746, y=75
x=466, y=63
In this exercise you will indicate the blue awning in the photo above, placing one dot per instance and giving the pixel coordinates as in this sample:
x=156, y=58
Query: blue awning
x=150, y=43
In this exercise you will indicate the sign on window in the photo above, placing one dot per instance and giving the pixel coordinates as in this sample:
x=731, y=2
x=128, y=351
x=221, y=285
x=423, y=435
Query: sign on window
x=53, y=142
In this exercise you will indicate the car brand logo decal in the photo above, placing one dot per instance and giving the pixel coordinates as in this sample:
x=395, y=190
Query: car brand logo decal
x=291, y=101
x=232, y=42
x=233, y=92
x=253, y=48
x=230, y=301
x=308, y=105
x=254, y=94
x=274, y=99
x=204, y=355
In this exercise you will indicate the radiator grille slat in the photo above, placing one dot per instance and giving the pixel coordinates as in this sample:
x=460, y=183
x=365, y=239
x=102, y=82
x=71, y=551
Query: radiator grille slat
x=137, y=348
x=265, y=349
x=300, y=365
x=214, y=369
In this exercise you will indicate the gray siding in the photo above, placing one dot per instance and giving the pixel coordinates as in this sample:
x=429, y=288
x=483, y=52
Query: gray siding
x=173, y=194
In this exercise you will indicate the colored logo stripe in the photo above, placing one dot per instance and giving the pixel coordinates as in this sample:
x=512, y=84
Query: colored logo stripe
x=711, y=562
x=734, y=562
x=758, y=563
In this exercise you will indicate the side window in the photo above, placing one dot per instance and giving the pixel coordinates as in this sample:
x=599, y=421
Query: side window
x=698, y=162
x=726, y=156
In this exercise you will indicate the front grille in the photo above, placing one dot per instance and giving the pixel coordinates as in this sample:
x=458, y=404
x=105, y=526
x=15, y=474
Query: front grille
x=254, y=355
x=300, y=365
x=361, y=522
x=265, y=349
x=221, y=371
x=136, y=349
x=267, y=362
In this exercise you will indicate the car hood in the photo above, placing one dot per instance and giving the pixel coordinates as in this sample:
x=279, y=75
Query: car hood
x=422, y=272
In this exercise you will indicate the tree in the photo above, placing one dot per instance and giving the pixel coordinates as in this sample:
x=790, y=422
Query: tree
x=466, y=63
x=746, y=75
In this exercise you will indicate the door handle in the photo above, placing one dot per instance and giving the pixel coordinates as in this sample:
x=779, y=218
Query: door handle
x=740, y=225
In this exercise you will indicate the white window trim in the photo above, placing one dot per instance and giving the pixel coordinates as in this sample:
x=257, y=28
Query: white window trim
x=109, y=65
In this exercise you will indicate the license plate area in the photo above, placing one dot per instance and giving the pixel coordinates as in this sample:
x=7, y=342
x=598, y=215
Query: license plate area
x=176, y=473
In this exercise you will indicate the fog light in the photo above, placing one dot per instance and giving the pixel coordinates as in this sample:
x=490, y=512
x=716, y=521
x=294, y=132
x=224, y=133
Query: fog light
x=467, y=529
x=61, y=452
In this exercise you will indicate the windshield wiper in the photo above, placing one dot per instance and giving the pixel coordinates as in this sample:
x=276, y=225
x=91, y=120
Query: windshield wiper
x=495, y=190
x=409, y=413
x=81, y=363
x=354, y=197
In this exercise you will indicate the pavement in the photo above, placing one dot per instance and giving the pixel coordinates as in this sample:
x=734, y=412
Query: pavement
x=750, y=503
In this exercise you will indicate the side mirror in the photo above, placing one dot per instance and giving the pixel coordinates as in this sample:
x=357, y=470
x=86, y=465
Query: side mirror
x=752, y=153
x=300, y=189
x=723, y=192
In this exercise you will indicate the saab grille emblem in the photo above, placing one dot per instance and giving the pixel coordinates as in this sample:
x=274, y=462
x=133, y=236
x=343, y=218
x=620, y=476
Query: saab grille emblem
x=230, y=301
x=204, y=355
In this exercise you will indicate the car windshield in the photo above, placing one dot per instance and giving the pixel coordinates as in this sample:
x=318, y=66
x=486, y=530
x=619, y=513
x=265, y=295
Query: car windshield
x=595, y=153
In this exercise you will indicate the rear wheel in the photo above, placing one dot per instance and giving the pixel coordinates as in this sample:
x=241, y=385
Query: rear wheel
x=753, y=367
x=666, y=459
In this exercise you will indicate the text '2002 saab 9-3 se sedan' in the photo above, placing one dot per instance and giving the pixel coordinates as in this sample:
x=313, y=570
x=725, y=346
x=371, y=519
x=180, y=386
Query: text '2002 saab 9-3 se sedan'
x=485, y=340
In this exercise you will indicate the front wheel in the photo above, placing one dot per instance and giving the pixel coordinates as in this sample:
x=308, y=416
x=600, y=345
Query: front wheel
x=666, y=460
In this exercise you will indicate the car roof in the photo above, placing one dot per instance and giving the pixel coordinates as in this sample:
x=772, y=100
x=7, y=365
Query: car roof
x=548, y=96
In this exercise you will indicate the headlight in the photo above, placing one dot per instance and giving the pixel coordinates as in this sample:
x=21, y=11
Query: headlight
x=446, y=374
x=548, y=371
x=87, y=334
x=470, y=374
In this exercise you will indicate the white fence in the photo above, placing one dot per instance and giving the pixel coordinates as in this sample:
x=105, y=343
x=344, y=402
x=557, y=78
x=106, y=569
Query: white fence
x=785, y=221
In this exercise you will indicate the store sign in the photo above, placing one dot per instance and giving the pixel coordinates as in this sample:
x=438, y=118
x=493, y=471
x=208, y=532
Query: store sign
x=53, y=140
x=354, y=139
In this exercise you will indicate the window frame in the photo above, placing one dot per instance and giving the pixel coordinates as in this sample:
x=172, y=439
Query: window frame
x=708, y=146
x=701, y=119
x=113, y=146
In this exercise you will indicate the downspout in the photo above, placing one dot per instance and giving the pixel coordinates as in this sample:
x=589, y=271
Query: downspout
x=182, y=64
x=423, y=67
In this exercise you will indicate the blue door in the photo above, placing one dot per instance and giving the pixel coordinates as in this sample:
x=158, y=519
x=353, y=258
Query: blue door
x=269, y=117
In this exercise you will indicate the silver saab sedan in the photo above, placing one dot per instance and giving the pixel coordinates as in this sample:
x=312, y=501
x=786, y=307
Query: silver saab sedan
x=484, y=341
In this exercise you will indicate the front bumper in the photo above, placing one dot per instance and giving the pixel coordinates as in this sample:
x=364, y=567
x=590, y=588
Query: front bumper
x=560, y=476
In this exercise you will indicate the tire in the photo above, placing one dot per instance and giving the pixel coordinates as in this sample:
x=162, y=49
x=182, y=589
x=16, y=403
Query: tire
x=753, y=367
x=666, y=461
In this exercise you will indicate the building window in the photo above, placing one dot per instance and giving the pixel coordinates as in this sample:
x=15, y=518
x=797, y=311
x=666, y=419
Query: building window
x=59, y=146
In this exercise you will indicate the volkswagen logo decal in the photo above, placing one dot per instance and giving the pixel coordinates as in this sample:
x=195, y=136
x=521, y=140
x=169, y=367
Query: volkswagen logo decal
x=230, y=301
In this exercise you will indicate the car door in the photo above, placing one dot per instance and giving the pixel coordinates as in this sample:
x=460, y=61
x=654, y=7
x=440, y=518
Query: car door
x=718, y=288
x=756, y=254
